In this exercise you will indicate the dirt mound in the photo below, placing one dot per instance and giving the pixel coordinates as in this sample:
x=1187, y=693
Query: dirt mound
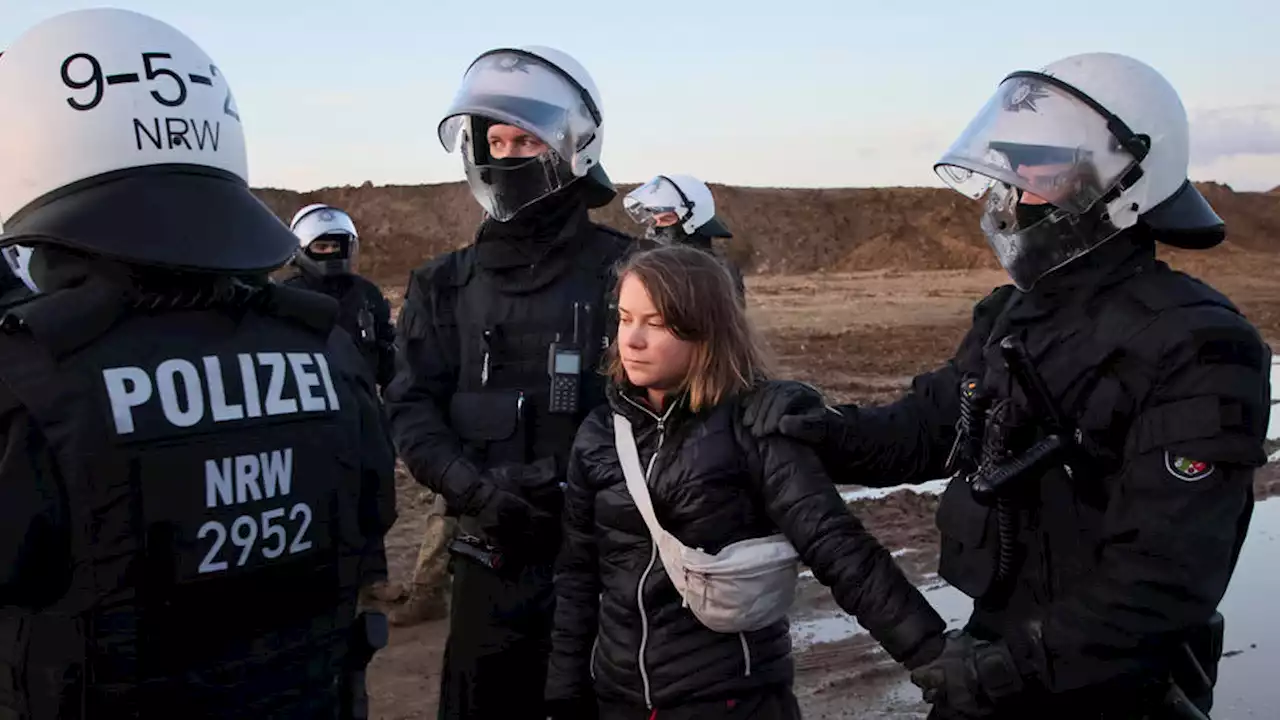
x=1253, y=219
x=777, y=231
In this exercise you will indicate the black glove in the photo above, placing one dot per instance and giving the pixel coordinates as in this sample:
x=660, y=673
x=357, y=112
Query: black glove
x=970, y=678
x=511, y=521
x=790, y=408
x=574, y=709
x=537, y=482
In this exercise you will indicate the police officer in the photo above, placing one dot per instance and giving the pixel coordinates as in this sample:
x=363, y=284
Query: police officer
x=496, y=348
x=329, y=248
x=680, y=209
x=1101, y=421
x=194, y=466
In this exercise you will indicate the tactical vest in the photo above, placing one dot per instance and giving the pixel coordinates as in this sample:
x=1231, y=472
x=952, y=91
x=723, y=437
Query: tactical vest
x=210, y=467
x=501, y=407
x=1101, y=378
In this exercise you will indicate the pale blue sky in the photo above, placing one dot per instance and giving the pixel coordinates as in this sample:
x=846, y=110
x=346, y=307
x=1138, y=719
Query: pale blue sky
x=807, y=93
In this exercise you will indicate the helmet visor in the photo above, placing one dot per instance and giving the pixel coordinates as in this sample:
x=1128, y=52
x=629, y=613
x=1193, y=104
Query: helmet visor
x=658, y=197
x=1040, y=139
x=505, y=187
x=1031, y=241
x=516, y=88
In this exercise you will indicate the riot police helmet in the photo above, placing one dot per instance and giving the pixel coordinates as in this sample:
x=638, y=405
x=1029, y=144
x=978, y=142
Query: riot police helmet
x=122, y=139
x=528, y=122
x=673, y=207
x=328, y=244
x=1068, y=156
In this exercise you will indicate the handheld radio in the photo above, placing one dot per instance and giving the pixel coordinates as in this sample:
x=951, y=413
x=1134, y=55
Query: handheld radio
x=364, y=321
x=564, y=366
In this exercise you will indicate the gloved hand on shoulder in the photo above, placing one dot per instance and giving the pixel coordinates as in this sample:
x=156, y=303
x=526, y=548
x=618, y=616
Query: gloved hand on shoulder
x=796, y=410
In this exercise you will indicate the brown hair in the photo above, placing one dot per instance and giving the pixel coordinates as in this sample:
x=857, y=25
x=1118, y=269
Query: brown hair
x=696, y=297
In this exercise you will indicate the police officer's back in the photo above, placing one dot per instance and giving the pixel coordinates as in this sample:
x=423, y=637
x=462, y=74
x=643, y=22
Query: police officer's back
x=194, y=465
x=1101, y=421
x=680, y=209
x=496, y=349
x=326, y=262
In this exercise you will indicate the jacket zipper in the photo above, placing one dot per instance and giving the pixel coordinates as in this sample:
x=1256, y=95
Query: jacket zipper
x=653, y=556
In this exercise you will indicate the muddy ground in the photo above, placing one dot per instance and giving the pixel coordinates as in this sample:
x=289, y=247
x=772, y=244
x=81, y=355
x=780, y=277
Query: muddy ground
x=860, y=337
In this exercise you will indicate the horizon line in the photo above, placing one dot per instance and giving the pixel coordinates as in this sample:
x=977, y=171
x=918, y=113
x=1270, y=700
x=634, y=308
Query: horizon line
x=372, y=185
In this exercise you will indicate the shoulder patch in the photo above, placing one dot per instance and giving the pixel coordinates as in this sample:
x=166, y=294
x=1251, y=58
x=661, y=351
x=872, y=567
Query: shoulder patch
x=1186, y=469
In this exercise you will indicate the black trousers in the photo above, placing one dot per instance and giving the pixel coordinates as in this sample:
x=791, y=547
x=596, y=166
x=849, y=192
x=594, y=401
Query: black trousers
x=495, y=660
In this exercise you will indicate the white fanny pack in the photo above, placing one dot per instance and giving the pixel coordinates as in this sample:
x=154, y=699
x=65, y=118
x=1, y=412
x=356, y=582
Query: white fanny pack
x=748, y=585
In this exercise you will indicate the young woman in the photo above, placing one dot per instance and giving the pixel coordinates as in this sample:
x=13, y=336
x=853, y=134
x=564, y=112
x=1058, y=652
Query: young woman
x=624, y=644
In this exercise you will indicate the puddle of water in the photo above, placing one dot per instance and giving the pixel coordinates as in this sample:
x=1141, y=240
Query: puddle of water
x=857, y=492
x=831, y=624
x=1247, y=687
x=823, y=629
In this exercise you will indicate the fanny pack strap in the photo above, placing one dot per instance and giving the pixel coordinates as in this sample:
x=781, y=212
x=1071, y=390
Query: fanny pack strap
x=629, y=456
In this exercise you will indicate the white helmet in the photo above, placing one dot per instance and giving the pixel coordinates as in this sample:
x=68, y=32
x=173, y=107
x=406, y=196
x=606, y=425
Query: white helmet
x=544, y=92
x=120, y=137
x=686, y=196
x=1075, y=153
x=320, y=220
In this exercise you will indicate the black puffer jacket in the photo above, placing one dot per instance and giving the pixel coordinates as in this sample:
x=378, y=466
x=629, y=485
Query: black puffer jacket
x=620, y=620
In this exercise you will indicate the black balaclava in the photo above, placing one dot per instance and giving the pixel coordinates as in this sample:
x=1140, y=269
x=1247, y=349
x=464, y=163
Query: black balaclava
x=535, y=232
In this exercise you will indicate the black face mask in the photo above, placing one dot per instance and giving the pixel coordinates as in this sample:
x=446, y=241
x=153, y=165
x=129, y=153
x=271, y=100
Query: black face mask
x=541, y=222
x=669, y=235
x=519, y=182
x=1029, y=215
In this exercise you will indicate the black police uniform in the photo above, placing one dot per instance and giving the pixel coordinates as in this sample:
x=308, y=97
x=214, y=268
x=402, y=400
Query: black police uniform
x=471, y=416
x=191, y=484
x=363, y=312
x=1095, y=576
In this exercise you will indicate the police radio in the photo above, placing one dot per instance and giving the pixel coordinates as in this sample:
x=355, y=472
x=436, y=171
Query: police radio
x=564, y=366
x=364, y=321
